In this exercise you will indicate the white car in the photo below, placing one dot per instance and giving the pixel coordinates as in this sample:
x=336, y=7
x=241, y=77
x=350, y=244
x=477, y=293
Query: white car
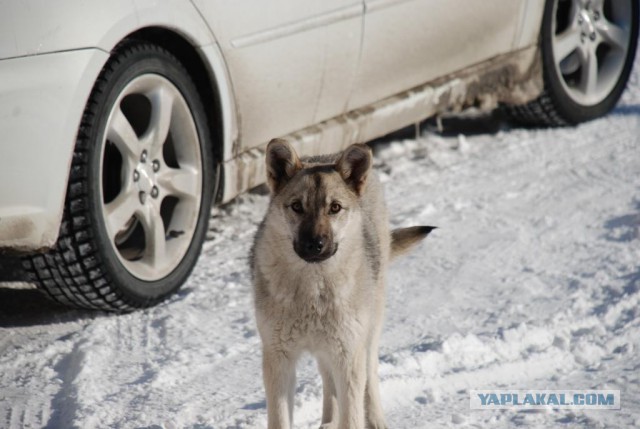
x=123, y=121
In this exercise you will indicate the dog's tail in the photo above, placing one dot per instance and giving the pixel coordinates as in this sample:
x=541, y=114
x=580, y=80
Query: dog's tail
x=403, y=239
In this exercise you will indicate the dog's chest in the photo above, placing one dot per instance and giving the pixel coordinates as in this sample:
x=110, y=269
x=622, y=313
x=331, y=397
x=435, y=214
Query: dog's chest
x=316, y=314
x=316, y=305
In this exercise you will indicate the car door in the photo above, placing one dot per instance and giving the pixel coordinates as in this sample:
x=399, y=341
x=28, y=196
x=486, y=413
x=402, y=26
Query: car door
x=410, y=42
x=292, y=63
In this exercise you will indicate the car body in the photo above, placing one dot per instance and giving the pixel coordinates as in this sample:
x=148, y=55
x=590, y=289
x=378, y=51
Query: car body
x=321, y=74
x=51, y=55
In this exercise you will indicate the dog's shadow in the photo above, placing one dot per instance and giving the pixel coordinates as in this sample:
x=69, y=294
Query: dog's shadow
x=262, y=405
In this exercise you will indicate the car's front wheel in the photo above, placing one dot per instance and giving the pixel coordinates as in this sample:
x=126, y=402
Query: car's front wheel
x=140, y=188
x=588, y=49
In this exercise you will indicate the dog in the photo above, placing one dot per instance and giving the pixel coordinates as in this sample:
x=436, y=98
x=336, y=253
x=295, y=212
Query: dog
x=318, y=264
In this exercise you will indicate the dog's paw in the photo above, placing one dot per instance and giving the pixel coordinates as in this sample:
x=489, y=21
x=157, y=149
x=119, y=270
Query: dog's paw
x=376, y=423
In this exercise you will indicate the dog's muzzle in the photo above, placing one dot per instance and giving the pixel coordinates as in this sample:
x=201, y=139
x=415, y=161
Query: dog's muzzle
x=315, y=249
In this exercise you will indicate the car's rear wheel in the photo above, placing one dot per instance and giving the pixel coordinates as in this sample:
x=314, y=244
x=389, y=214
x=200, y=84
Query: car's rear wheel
x=588, y=50
x=139, y=191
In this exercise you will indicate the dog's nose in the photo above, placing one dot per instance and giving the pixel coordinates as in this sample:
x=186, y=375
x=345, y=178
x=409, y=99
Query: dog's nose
x=315, y=245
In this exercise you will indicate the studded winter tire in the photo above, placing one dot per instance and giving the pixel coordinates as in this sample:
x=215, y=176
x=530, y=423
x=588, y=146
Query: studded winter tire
x=588, y=49
x=139, y=190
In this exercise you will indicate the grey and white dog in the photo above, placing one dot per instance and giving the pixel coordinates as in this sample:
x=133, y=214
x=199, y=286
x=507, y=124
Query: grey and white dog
x=319, y=263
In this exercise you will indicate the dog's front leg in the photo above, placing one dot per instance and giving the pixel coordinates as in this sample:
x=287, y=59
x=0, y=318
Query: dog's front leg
x=350, y=374
x=279, y=372
x=329, y=396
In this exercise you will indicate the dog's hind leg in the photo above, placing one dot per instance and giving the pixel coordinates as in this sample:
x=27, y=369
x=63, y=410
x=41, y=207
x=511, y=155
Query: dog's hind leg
x=373, y=405
x=372, y=402
x=279, y=373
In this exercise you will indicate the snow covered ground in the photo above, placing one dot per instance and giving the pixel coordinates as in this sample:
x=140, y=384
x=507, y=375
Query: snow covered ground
x=531, y=282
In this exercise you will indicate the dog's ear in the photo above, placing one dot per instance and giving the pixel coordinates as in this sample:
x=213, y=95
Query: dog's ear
x=282, y=163
x=354, y=165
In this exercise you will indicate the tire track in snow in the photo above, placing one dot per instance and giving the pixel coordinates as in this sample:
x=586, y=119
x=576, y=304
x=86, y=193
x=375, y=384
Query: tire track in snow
x=64, y=404
x=33, y=384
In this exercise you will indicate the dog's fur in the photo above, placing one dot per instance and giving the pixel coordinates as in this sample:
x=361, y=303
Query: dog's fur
x=319, y=262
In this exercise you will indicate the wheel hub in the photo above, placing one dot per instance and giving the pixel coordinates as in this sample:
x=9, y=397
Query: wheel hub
x=586, y=21
x=145, y=178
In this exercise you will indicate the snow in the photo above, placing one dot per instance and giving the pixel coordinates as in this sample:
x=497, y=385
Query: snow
x=530, y=282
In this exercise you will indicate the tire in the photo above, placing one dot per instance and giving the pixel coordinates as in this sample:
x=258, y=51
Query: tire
x=577, y=38
x=140, y=188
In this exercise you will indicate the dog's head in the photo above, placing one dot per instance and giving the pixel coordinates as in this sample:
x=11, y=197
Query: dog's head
x=316, y=202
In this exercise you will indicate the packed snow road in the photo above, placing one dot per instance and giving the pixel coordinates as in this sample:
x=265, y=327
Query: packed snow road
x=531, y=282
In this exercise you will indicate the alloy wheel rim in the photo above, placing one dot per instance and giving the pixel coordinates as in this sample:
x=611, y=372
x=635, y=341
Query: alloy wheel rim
x=150, y=177
x=590, y=41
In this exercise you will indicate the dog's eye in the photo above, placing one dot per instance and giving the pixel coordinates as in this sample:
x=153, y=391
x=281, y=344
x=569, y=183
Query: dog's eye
x=297, y=207
x=335, y=208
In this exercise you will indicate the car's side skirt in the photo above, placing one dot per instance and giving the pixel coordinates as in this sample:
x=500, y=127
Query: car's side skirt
x=513, y=78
